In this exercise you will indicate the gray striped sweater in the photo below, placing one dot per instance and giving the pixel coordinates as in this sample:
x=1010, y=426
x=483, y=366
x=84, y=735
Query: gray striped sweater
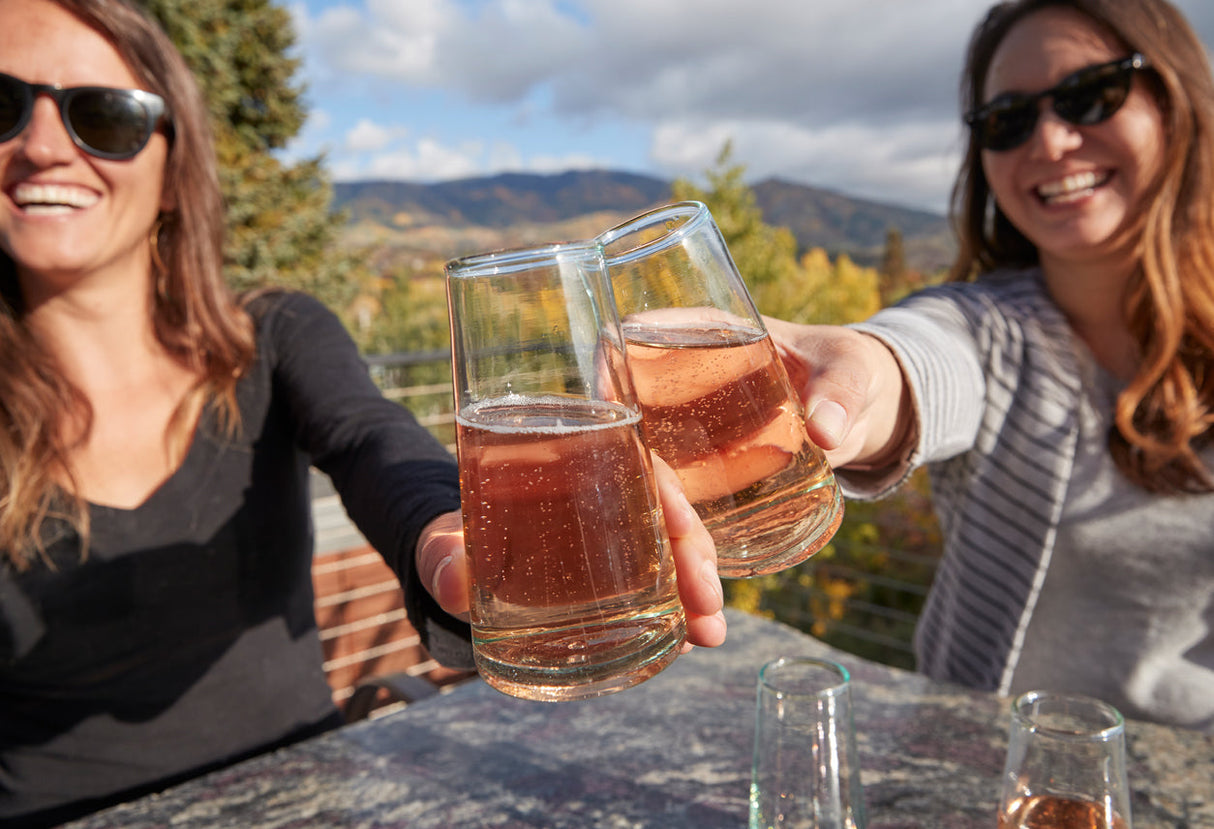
x=996, y=386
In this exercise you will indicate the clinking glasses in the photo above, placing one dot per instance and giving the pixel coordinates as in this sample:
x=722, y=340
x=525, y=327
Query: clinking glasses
x=114, y=124
x=1088, y=96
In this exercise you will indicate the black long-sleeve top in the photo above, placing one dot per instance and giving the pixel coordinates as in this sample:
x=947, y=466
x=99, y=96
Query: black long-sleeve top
x=185, y=638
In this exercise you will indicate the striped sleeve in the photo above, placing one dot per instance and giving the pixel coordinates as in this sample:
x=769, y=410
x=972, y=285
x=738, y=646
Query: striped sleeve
x=993, y=374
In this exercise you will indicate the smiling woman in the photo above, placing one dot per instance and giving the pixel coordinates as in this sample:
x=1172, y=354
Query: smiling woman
x=87, y=177
x=155, y=434
x=1060, y=390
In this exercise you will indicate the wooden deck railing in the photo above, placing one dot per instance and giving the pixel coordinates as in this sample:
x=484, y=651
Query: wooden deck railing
x=364, y=631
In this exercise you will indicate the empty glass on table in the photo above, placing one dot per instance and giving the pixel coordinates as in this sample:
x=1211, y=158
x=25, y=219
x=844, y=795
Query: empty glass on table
x=806, y=773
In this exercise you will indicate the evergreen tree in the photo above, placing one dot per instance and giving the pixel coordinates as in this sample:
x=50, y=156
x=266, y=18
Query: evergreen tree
x=893, y=263
x=765, y=255
x=808, y=290
x=897, y=278
x=280, y=227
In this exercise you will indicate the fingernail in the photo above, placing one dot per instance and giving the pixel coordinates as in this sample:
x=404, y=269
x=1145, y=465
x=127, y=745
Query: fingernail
x=438, y=574
x=830, y=418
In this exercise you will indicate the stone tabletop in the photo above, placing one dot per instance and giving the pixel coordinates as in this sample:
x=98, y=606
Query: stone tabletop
x=672, y=752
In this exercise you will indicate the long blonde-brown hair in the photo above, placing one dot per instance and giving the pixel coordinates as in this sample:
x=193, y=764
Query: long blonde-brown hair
x=1163, y=418
x=194, y=315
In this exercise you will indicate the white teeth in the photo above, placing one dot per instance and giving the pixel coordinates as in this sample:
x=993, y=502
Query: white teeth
x=48, y=209
x=58, y=196
x=1071, y=186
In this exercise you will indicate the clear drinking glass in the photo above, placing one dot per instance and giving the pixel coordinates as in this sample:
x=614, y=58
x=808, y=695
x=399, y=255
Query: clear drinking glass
x=1065, y=765
x=806, y=773
x=573, y=592
x=718, y=405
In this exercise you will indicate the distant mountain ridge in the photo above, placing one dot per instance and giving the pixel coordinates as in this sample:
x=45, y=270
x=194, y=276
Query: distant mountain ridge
x=502, y=200
x=817, y=218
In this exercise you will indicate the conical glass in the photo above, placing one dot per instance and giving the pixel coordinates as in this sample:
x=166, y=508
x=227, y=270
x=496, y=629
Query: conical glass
x=806, y=774
x=1065, y=765
x=717, y=402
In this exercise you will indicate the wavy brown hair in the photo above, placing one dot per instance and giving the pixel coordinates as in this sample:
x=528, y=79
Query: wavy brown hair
x=1163, y=418
x=194, y=314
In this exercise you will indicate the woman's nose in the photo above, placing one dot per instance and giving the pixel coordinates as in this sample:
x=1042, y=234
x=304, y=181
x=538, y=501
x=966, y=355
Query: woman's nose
x=45, y=139
x=1053, y=136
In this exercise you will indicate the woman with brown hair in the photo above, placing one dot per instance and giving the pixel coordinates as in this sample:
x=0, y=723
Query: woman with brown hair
x=1059, y=388
x=155, y=436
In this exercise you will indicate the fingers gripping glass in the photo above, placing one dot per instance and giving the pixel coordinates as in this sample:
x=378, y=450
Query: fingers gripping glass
x=1083, y=98
x=108, y=123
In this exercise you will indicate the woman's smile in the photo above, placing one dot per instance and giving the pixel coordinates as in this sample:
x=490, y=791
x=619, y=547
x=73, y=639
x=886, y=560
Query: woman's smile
x=1072, y=187
x=52, y=199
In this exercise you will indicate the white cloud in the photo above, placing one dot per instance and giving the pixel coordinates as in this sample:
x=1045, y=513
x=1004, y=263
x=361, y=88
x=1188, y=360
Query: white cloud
x=547, y=164
x=426, y=160
x=430, y=160
x=367, y=136
x=345, y=169
x=390, y=39
x=903, y=164
x=857, y=95
x=504, y=156
x=642, y=58
x=783, y=80
x=318, y=120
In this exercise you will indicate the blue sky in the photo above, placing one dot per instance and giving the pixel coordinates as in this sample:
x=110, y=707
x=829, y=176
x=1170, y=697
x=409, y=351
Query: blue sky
x=856, y=96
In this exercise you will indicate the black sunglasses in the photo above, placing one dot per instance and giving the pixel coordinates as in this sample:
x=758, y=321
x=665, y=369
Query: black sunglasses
x=114, y=124
x=1083, y=98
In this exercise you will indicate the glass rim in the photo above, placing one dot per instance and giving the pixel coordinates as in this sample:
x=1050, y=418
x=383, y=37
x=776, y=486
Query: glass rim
x=1112, y=727
x=521, y=258
x=697, y=214
x=842, y=675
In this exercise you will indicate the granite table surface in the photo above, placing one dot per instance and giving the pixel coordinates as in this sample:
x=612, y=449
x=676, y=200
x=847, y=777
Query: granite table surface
x=672, y=752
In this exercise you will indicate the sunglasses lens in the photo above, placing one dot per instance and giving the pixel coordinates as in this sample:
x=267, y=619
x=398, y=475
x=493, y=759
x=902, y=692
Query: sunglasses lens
x=13, y=103
x=1087, y=97
x=1093, y=99
x=109, y=122
x=1007, y=127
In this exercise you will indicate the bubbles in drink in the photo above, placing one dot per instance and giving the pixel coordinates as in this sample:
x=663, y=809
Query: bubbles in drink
x=574, y=583
x=719, y=409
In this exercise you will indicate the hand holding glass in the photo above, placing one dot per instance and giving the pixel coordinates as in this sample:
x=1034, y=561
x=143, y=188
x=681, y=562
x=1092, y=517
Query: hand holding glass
x=717, y=402
x=573, y=592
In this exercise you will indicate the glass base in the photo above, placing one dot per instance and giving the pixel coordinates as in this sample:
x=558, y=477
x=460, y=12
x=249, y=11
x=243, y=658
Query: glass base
x=579, y=661
x=771, y=537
